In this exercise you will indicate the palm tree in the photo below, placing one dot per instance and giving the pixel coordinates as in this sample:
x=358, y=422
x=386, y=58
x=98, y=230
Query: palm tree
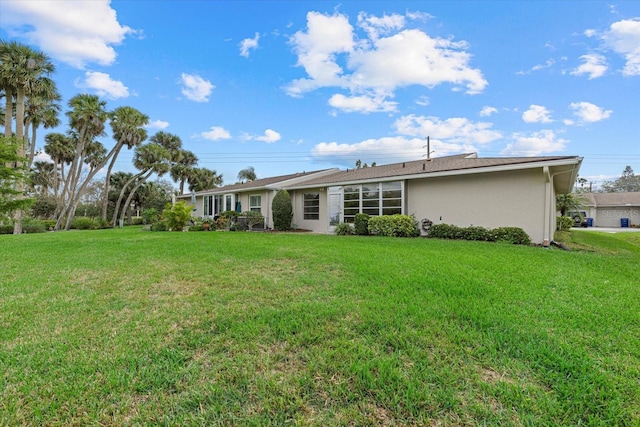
x=43, y=177
x=20, y=69
x=204, y=179
x=87, y=119
x=183, y=170
x=148, y=159
x=569, y=203
x=247, y=174
x=42, y=108
x=58, y=147
x=127, y=125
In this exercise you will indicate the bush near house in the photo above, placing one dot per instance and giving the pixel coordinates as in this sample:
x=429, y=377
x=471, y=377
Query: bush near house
x=515, y=235
x=282, y=211
x=564, y=223
x=393, y=226
x=177, y=215
x=342, y=229
x=361, y=224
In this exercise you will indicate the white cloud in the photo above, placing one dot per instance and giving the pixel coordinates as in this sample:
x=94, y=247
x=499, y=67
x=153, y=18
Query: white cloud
x=380, y=63
x=623, y=38
x=76, y=32
x=247, y=44
x=588, y=112
x=487, y=111
x=361, y=104
x=594, y=65
x=538, y=67
x=158, y=124
x=456, y=130
x=195, y=87
x=103, y=85
x=423, y=101
x=216, y=133
x=534, y=144
x=537, y=114
x=376, y=26
x=385, y=150
x=270, y=136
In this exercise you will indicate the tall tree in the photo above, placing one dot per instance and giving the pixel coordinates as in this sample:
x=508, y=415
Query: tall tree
x=204, y=179
x=127, y=125
x=569, y=203
x=21, y=67
x=148, y=159
x=627, y=182
x=184, y=168
x=87, y=119
x=9, y=175
x=42, y=108
x=247, y=174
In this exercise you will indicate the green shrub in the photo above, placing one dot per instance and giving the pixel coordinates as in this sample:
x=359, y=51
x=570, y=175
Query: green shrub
x=49, y=223
x=31, y=226
x=6, y=229
x=476, y=233
x=159, y=226
x=282, y=211
x=137, y=220
x=361, y=224
x=344, y=229
x=151, y=215
x=393, y=226
x=514, y=235
x=564, y=223
x=177, y=215
x=253, y=218
x=84, y=223
x=196, y=228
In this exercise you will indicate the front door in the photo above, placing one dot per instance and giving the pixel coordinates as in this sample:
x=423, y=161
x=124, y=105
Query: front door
x=335, y=207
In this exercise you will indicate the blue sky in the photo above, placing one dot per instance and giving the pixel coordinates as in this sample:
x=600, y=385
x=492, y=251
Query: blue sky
x=290, y=86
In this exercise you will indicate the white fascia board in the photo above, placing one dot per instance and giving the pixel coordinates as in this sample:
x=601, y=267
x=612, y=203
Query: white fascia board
x=290, y=183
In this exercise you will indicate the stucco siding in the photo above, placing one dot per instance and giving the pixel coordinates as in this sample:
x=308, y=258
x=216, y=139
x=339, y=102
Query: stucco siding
x=319, y=225
x=510, y=198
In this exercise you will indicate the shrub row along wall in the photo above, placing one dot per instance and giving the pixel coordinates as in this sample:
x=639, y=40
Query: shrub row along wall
x=515, y=235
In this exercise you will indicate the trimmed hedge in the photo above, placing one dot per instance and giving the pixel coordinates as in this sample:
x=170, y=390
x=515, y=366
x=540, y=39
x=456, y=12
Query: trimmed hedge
x=564, y=223
x=393, y=226
x=515, y=235
x=361, y=224
x=344, y=229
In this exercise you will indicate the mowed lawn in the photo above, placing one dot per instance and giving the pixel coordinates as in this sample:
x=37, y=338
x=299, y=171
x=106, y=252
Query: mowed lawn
x=126, y=327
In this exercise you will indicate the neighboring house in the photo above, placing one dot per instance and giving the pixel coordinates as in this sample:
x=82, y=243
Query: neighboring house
x=462, y=190
x=613, y=209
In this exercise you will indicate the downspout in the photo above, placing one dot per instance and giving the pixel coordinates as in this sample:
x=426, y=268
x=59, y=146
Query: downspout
x=549, y=200
x=546, y=232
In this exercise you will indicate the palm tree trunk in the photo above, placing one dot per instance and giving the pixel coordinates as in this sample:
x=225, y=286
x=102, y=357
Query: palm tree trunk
x=132, y=193
x=20, y=95
x=8, y=112
x=121, y=196
x=105, y=194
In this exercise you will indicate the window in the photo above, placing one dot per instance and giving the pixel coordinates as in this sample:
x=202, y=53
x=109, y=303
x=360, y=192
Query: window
x=212, y=205
x=255, y=203
x=311, y=204
x=373, y=199
x=227, y=202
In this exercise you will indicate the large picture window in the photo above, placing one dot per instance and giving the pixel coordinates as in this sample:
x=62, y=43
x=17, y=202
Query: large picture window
x=375, y=199
x=212, y=205
x=255, y=203
x=311, y=206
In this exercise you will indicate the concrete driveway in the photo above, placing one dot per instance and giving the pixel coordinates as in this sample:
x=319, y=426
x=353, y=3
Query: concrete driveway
x=610, y=229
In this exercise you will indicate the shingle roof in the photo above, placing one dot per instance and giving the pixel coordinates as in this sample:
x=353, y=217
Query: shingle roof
x=258, y=183
x=420, y=167
x=613, y=199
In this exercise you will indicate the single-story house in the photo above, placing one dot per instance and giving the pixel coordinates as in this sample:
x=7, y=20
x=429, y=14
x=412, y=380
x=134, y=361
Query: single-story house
x=613, y=209
x=462, y=190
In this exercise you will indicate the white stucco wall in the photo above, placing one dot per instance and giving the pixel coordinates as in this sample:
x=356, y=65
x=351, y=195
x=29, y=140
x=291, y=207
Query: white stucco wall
x=509, y=198
x=320, y=225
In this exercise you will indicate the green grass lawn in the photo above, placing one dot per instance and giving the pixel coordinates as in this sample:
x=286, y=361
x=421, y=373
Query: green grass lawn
x=125, y=327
